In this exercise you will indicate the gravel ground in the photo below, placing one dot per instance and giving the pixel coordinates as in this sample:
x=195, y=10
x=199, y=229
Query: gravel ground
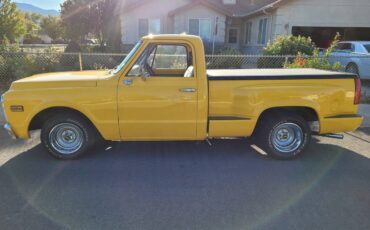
x=186, y=185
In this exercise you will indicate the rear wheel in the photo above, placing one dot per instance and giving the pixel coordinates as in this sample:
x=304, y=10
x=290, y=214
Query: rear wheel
x=68, y=136
x=283, y=136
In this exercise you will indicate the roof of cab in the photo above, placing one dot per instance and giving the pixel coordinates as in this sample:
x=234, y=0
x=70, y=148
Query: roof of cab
x=171, y=36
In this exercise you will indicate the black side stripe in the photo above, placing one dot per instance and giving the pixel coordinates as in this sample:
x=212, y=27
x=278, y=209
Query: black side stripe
x=346, y=116
x=227, y=118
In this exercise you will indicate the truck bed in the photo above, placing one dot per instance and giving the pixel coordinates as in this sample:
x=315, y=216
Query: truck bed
x=238, y=97
x=275, y=74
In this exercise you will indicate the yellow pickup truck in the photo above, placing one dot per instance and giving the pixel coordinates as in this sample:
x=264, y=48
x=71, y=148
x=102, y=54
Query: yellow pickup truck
x=162, y=91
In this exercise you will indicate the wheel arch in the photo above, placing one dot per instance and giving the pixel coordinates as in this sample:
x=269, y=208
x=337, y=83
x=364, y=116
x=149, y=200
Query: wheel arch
x=307, y=113
x=351, y=63
x=42, y=116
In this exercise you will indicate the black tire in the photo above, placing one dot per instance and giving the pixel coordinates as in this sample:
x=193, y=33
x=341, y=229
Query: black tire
x=352, y=68
x=267, y=135
x=86, y=132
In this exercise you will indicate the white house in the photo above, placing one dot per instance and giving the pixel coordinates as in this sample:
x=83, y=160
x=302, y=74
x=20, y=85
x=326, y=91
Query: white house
x=246, y=24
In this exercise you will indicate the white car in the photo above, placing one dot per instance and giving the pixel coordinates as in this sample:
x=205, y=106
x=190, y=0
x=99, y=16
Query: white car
x=354, y=57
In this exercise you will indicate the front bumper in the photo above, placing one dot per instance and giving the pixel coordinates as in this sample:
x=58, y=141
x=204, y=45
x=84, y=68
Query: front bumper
x=8, y=128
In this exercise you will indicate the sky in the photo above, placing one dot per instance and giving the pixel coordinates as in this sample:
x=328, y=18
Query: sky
x=44, y=4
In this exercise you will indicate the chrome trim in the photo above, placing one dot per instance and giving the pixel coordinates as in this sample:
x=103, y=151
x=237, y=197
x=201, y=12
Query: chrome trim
x=287, y=137
x=188, y=90
x=127, y=81
x=8, y=128
x=66, y=138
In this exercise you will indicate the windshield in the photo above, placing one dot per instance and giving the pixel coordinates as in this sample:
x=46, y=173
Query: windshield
x=128, y=57
x=367, y=47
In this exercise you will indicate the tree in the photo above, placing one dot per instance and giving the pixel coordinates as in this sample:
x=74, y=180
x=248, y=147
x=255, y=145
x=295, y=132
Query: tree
x=84, y=17
x=12, y=23
x=52, y=27
x=32, y=22
x=75, y=18
x=106, y=25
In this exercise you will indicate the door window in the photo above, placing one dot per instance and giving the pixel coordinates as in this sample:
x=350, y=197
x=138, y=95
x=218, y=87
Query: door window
x=344, y=47
x=163, y=61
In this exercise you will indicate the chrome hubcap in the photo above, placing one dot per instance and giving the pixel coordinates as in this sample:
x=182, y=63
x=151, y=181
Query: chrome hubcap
x=287, y=137
x=66, y=138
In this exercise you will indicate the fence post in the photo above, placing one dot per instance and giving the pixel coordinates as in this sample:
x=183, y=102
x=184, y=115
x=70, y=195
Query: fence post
x=80, y=60
x=286, y=61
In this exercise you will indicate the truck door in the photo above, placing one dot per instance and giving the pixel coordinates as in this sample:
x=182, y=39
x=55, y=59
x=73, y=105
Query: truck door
x=157, y=99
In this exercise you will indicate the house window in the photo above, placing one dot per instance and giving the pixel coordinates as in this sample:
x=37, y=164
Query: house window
x=262, y=33
x=149, y=26
x=233, y=36
x=229, y=2
x=248, y=32
x=200, y=27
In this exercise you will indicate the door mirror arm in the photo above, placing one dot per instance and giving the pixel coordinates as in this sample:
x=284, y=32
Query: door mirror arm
x=144, y=76
x=143, y=73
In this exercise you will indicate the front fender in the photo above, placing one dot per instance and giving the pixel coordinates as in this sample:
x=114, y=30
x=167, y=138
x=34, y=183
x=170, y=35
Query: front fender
x=99, y=106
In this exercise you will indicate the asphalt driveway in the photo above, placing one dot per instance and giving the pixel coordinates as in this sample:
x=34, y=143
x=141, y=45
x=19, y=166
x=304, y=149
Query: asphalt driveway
x=186, y=185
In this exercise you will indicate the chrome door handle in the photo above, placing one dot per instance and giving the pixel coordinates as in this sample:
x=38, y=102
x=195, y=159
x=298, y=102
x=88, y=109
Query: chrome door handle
x=188, y=90
x=127, y=81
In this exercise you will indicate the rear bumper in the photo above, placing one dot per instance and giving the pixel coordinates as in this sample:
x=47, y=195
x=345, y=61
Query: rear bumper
x=341, y=123
x=9, y=129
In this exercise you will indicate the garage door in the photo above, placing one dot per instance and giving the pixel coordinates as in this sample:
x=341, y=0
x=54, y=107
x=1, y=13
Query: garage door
x=323, y=36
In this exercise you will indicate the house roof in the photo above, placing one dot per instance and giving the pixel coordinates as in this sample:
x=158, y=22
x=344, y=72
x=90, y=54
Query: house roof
x=242, y=8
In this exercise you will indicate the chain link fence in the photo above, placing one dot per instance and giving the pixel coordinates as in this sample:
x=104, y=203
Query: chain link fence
x=14, y=66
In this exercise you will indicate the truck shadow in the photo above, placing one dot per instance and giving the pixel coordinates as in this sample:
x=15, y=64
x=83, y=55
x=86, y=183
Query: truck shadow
x=190, y=185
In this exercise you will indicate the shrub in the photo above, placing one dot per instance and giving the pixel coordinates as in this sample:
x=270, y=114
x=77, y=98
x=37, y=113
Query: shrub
x=70, y=61
x=15, y=65
x=98, y=62
x=285, y=46
x=290, y=45
x=208, y=46
x=73, y=47
x=30, y=39
x=317, y=61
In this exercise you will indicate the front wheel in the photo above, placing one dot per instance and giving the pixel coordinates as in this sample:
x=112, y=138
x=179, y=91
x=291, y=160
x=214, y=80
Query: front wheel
x=67, y=138
x=284, y=137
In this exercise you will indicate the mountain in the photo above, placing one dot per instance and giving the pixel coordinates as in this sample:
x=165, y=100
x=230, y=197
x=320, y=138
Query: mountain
x=33, y=9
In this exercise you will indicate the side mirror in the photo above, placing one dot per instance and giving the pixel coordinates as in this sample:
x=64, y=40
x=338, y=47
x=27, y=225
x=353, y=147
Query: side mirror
x=144, y=74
